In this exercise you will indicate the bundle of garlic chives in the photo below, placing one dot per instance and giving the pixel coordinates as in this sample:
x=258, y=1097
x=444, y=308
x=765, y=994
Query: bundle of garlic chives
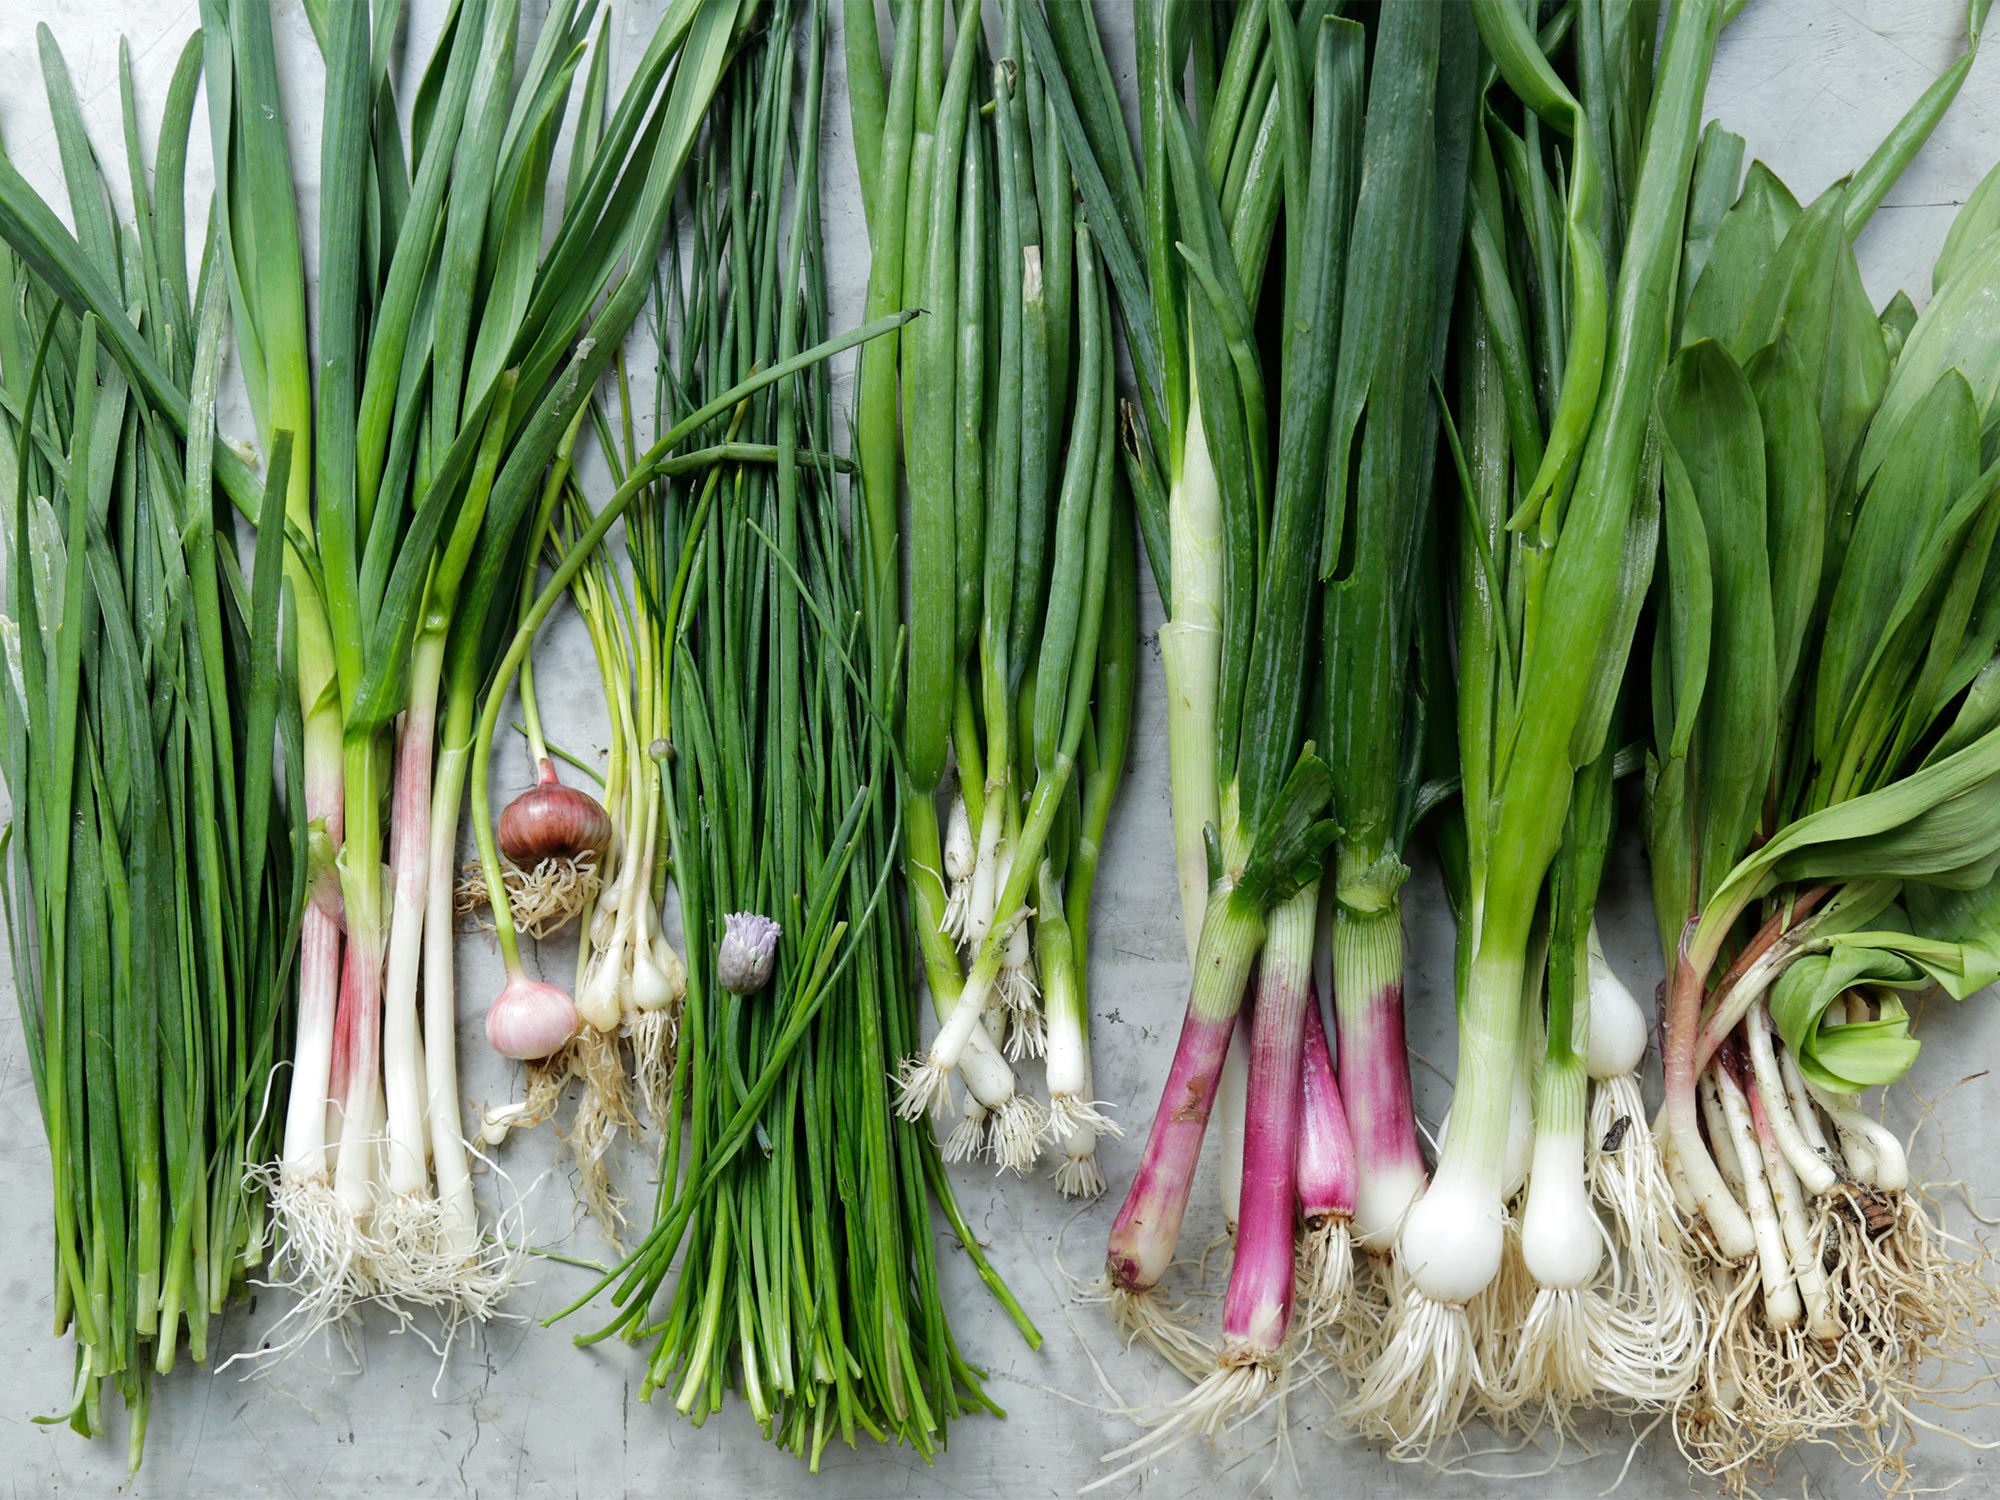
x=156, y=868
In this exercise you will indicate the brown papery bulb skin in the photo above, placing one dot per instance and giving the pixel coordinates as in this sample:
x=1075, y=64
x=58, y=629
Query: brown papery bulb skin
x=552, y=821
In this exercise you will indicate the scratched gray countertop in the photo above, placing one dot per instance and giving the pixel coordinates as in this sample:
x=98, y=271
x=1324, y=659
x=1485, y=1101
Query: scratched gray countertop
x=1813, y=84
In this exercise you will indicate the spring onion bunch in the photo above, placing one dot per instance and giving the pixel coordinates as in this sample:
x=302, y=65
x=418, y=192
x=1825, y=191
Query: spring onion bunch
x=1543, y=636
x=1269, y=842
x=1007, y=435
x=157, y=866
x=1816, y=802
x=806, y=1274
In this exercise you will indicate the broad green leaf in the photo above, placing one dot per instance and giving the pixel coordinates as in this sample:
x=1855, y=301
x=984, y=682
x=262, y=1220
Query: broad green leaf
x=1900, y=510
x=1972, y=230
x=1845, y=1057
x=1739, y=255
x=1718, y=168
x=1794, y=499
x=1690, y=610
x=1960, y=330
x=1710, y=428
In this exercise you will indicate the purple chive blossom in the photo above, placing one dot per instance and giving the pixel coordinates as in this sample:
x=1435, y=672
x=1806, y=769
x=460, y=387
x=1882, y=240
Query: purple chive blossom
x=749, y=947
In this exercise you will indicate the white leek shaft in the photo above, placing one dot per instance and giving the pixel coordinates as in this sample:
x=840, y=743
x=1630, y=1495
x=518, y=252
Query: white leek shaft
x=989, y=873
x=1891, y=1163
x=1802, y=1105
x=1801, y=1243
x=306, y=1137
x=409, y=860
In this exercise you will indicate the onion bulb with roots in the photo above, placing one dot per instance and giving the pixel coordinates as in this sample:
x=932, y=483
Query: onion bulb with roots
x=530, y=1020
x=1617, y=1041
x=552, y=821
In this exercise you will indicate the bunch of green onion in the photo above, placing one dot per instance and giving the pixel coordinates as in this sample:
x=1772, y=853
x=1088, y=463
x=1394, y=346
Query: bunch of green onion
x=1022, y=612
x=157, y=868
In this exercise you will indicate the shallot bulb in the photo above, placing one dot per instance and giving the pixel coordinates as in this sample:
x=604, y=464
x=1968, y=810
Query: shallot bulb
x=552, y=821
x=531, y=1020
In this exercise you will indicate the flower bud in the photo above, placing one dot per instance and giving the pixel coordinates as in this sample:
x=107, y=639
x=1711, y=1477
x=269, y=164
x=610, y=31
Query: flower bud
x=749, y=949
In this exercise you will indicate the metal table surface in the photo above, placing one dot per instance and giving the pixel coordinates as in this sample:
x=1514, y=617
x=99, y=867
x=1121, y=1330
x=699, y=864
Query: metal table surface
x=1812, y=84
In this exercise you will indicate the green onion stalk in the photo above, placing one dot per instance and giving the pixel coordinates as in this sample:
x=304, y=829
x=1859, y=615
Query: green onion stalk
x=155, y=865
x=1065, y=666
x=922, y=151
x=1186, y=243
x=1536, y=690
x=1420, y=119
x=1065, y=973
x=265, y=273
x=454, y=355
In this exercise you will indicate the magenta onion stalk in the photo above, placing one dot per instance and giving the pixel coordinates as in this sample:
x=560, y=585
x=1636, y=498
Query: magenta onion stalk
x=1374, y=1061
x=1328, y=1178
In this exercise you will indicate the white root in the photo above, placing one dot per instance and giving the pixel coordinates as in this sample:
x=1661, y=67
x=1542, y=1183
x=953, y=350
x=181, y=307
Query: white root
x=967, y=1141
x=1015, y=1135
x=1416, y=1393
x=1144, y=1317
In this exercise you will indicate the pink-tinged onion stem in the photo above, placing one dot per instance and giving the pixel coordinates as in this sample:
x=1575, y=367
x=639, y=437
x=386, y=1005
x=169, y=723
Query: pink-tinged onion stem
x=1149, y=1222
x=1375, y=1066
x=409, y=863
x=319, y=971
x=1327, y=1166
x=1257, y=1311
x=1725, y=1217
